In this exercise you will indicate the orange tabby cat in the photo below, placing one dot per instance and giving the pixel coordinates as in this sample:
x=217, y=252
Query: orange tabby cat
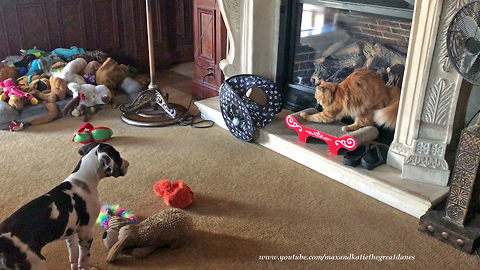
x=363, y=95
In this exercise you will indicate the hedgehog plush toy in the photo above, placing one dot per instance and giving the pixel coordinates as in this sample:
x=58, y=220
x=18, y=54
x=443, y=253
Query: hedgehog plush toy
x=170, y=228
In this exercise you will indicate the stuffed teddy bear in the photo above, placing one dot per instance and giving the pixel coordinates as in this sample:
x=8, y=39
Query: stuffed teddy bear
x=58, y=87
x=71, y=72
x=15, y=95
x=170, y=227
x=176, y=194
x=112, y=75
x=85, y=97
x=8, y=73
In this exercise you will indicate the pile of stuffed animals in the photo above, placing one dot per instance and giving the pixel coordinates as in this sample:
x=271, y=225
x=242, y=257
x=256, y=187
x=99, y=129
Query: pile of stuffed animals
x=90, y=77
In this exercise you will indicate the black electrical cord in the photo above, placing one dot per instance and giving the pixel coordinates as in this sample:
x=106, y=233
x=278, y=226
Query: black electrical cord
x=473, y=117
x=193, y=119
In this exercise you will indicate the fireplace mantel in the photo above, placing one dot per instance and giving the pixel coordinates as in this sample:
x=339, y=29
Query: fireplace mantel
x=252, y=29
x=432, y=90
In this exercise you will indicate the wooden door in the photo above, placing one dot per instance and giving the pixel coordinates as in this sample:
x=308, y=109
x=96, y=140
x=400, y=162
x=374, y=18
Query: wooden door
x=210, y=39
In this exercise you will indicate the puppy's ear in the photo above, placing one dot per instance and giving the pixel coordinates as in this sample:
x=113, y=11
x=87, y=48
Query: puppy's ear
x=322, y=81
x=106, y=162
x=86, y=148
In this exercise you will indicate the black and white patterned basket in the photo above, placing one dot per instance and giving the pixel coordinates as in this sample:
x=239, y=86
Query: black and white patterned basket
x=243, y=115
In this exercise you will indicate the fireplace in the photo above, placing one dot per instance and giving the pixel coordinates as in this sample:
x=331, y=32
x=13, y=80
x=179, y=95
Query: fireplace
x=432, y=100
x=330, y=39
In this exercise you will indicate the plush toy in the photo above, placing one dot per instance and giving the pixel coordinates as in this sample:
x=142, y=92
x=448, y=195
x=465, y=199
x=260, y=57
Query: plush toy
x=43, y=64
x=85, y=97
x=170, y=227
x=38, y=53
x=15, y=126
x=112, y=75
x=8, y=73
x=25, y=81
x=25, y=62
x=90, y=71
x=66, y=53
x=176, y=194
x=15, y=95
x=38, y=86
x=11, y=60
x=84, y=56
x=71, y=72
x=58, y=87
x=58, y=67
x=52, y=114
x=98, y=55
x=87, y=134
x=109, y=211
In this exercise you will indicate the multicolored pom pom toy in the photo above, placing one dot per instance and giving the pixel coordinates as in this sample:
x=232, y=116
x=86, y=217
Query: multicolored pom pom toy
x=107, y=211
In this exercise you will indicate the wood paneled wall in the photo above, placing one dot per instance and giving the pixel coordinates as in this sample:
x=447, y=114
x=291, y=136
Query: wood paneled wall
x=113, y=26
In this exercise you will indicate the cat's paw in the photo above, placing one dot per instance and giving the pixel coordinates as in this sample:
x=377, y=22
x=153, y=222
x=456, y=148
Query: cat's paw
x=346, y=129
x=303, y=115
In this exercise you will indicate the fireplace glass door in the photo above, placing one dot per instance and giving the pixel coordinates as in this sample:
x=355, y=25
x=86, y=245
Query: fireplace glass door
x=330, y=39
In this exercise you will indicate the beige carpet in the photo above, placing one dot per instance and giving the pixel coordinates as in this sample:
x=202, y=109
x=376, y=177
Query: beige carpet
x=250, y=201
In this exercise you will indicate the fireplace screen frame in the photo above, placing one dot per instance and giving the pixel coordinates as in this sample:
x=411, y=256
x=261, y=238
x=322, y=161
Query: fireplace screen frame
x=295, y=96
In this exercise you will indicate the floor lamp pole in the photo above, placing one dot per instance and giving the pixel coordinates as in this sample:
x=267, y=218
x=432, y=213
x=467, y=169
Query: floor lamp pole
x=150, y=108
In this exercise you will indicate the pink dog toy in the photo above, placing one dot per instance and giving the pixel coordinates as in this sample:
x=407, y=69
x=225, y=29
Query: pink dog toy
x=12, y=91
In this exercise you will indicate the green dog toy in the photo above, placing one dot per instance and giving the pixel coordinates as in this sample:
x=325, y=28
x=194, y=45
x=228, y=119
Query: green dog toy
x=87, y=134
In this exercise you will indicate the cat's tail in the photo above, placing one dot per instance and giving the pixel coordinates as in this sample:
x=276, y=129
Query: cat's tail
x=388, y=115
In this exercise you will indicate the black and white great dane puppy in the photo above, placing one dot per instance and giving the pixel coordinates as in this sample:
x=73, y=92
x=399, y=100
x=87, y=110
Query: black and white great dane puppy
x=67, y=212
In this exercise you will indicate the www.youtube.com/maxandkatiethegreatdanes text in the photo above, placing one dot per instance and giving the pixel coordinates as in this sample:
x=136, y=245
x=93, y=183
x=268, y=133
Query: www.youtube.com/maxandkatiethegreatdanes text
x=350, y=257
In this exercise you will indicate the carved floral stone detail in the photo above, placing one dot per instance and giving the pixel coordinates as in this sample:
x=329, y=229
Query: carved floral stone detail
x=231, y=7
x=459, y=196
x=470, y=143
x=399, y=148
x=467, y=161
x=438, y=150
x=455, y=212
x=438, y=101
x=423, y=148
x=462, y=179
x=427, y=162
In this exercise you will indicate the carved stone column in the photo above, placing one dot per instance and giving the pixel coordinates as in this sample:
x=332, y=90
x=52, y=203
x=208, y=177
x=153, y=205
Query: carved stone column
x=431, y=90
x=252, y=27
